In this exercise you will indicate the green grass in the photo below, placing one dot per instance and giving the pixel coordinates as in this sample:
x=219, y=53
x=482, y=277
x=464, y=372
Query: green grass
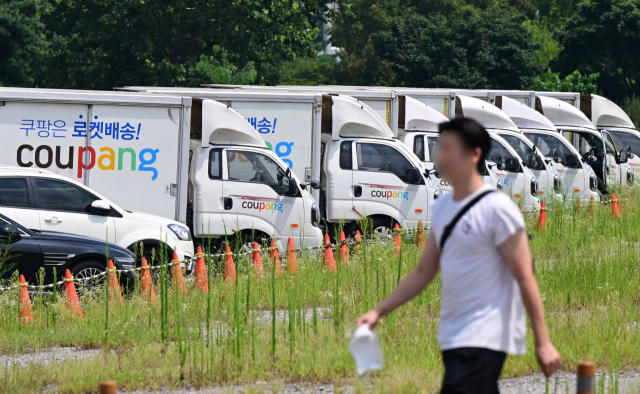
x=587, y=267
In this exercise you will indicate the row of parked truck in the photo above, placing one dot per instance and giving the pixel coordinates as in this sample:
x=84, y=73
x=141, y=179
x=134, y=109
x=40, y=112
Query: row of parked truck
x=162, y=165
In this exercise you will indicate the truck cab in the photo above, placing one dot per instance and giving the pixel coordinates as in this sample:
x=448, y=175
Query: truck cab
x=571, y=177
x=593, y=146
x=366, y=172
x=237, y=185
x=616, y=127
x=418, y=128
x=514, y=177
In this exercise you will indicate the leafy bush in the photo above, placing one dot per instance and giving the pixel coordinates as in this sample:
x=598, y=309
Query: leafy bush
x=574, y=82
x=631, y=105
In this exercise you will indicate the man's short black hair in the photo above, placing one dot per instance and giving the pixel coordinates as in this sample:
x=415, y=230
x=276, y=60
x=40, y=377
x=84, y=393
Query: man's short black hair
x=472, y=135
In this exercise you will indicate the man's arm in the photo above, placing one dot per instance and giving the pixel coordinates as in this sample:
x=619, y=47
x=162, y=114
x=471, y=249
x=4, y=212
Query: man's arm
x=516, y=252
x=410, y=286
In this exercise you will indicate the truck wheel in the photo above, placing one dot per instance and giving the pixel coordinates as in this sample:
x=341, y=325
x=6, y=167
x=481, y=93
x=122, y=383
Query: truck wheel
x=86, y=270
x=383, y=229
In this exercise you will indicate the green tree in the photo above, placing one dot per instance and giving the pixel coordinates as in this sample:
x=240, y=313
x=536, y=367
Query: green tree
x=549, y=46
x=212, y=70
x=311, y=71
x=574, y=82
x=489, y=49
x=22, y=40
x=99, y=44
x=603, y=37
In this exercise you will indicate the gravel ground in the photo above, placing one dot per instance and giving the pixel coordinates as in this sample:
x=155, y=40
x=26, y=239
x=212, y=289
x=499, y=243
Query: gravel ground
x=628, y=382
x=59, y=355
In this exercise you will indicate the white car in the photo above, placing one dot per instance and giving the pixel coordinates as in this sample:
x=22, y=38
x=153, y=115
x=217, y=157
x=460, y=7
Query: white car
x=43, y=201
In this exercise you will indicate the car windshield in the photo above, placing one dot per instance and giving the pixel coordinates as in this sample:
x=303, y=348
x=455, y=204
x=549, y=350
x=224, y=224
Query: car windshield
x=627, y=139
x=523, y=150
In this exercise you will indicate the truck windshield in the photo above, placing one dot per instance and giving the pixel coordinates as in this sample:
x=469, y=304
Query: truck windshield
x=247, y=166
x=528, y=156
x=550, y=145
x=584, y=142
x=419, y=147
x=498, y=153
x=627, y=139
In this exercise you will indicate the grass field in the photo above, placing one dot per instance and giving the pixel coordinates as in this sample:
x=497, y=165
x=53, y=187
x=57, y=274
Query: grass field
x=587, y=267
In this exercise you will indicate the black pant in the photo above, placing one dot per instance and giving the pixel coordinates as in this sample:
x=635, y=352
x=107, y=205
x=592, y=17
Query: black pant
x=471, y=370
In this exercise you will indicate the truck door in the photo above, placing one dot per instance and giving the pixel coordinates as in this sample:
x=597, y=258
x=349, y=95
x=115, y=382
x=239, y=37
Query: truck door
x=255, y=196
x=207, y=194
x=569, y=170
x=339, y=185
x=513, y=183
x=615, y=169
x=380, y=178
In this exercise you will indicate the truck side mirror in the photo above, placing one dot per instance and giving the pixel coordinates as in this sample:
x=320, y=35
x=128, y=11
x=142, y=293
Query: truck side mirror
x=100, y=207
x=512, y=165
x=315, y=185
x=623, y=157
x=10, y=231
x=413, y=175
x=293, y=187
x=572, y=161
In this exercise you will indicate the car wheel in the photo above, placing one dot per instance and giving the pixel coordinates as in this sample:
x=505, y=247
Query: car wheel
x=85, y=270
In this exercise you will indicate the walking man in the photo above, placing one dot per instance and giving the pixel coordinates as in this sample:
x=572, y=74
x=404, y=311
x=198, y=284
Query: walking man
x=478, y=241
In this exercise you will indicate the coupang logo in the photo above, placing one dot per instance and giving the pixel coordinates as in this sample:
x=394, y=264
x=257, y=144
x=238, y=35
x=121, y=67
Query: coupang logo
x=105, y=157
x=380, y=191
x=260, y=203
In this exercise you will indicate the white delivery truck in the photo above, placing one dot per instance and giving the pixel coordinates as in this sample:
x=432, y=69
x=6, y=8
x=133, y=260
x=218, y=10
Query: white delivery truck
x=516, y=179
x=617, y=128
x=363, y=170
x=617, y=172
x=578, y=129
x=129, y=148
x=418, y=128
x=574, y=178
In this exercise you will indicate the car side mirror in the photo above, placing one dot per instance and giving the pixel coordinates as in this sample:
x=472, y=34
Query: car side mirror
x=413, y=175
x=11, y=232
x=100, y=207
x=572, y=161
x=293, y=187
x=512, y=165
x=623, y=157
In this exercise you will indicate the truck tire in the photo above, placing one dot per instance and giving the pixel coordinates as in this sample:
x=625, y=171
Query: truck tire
x=383, y=228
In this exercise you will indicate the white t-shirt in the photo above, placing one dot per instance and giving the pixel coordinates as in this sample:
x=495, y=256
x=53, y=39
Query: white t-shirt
x=481, y=302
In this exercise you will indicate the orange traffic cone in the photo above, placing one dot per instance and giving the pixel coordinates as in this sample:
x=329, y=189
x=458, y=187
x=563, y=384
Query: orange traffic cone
x=146, y=284
x=275, y=257
x=291, y=256
x=614, y=206
x=229, y=266
x=344, y=249
x=26, y=313
x=592, y=206
x=73, y=303
x=578, y=207
x=542, y=220
x=397, y=241
x=619, y=208
x=201, y=271
x=257, y=259
x=177, y=280
x=327, y=258
x=114, y=286
x=420, y=242
x=358, y=240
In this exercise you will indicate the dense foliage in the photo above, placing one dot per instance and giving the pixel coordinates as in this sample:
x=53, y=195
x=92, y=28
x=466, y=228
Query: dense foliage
x=501, y=44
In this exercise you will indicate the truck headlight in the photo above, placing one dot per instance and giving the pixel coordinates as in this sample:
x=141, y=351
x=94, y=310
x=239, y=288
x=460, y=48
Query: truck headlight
x=534, y=187
x=557, y=184
x=181, y=232
x=315, y=215
x=593, y=182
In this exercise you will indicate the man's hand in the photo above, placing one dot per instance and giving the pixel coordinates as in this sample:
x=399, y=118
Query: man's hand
x=548, y=359
x=371, y=318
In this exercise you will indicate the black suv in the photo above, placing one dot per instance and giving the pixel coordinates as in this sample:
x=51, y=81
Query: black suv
x=28, y=250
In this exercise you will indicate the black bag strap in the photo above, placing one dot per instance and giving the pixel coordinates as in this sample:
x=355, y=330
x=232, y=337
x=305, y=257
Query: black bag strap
x=452, y=224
